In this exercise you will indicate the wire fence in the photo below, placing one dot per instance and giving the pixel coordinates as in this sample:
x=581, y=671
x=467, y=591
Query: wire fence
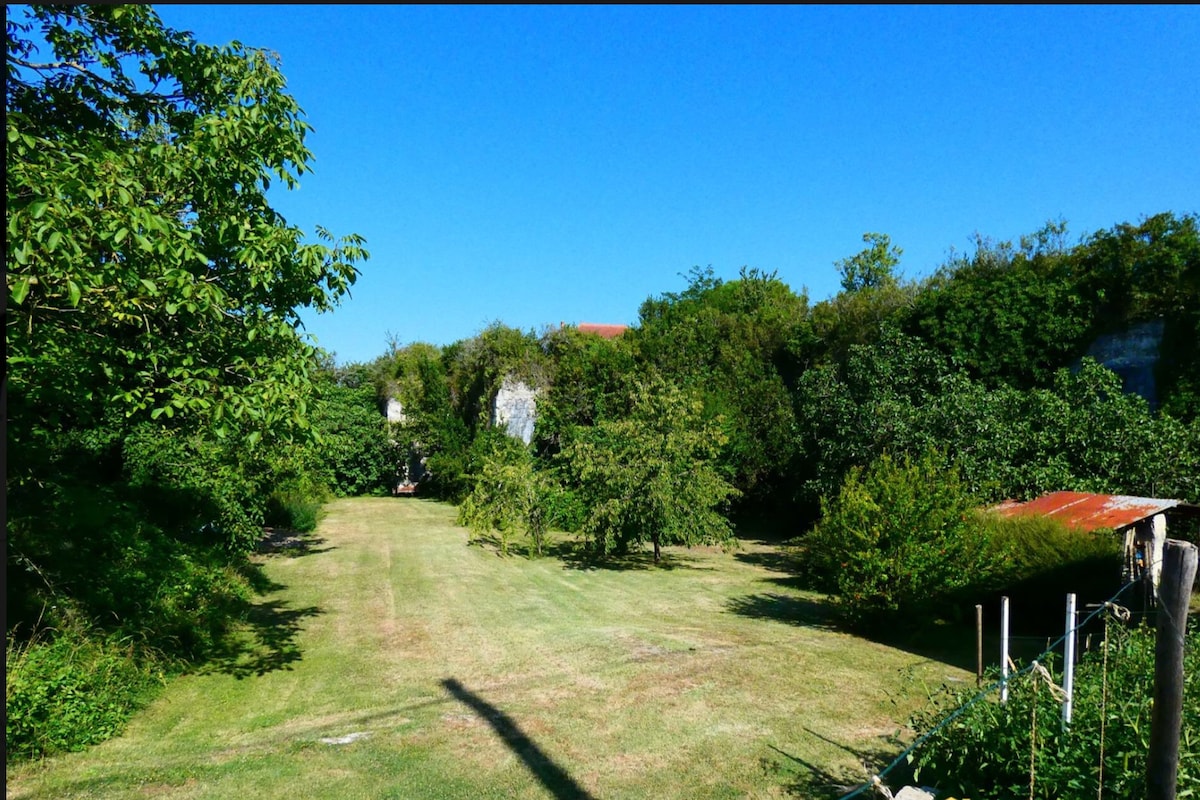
x=876, y=780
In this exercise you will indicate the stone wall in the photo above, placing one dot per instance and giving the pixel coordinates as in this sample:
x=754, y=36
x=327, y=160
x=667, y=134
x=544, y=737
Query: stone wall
x=515, y=409
x=1132, y=354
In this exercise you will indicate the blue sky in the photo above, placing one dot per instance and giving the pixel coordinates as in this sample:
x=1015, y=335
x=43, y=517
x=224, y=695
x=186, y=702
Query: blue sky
x=535, y=165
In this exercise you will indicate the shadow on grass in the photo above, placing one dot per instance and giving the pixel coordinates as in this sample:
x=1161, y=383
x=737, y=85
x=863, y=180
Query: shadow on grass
x=291, y=544
x=578, y=555
x=821, y=784
x=776, y=561
x=554, y=778
x=788, y=608
x=263, y=638
x=265, y=643
x=946, y=643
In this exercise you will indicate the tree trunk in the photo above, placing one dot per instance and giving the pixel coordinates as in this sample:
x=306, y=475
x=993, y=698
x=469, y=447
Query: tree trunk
x=657, y=550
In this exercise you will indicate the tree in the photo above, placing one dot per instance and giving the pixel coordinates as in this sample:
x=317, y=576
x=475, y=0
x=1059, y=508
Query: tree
x=728, y=341
x=507, y=497
x=873, y=267
x=651, y=477
x=153, y=307
x=145, y=266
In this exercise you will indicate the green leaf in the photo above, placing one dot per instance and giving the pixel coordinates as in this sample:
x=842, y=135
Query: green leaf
x=37, y=208
x=53, y=240
x=20, y=289
x=73, y=293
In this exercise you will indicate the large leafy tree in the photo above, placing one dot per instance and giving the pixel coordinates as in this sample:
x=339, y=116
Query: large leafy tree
x=145, y=266
x=651, y=476
x=728, y=342
x=153, y=300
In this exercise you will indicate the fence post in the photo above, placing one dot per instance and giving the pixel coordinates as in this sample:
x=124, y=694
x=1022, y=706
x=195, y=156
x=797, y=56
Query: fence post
x=1003, y=649
x=1174, y=594
x=1069, y=661
x=978, y=646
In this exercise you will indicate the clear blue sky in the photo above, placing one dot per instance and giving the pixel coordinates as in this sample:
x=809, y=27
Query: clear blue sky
x=542, y=164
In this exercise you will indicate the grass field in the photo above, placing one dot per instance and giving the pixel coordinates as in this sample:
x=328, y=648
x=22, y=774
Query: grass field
x=399, y=662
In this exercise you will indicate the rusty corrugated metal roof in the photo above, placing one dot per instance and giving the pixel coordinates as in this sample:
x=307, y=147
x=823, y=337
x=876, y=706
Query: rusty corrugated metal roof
x=603, y=331
x=1091, y=511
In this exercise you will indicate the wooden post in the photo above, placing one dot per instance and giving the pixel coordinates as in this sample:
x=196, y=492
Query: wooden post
x=1069, y=661
x=1003, y=649
x=1174, y=594
x=978, y=646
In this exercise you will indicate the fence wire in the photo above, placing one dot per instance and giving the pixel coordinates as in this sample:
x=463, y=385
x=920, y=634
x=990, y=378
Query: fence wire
x=877, y=779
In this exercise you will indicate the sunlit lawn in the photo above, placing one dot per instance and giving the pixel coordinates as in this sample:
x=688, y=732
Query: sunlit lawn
x=458, y=673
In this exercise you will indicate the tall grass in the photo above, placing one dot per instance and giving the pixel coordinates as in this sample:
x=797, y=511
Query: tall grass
x=65, y=690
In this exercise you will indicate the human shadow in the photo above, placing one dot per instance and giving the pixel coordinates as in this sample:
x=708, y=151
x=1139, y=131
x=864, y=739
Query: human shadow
x=554, y=778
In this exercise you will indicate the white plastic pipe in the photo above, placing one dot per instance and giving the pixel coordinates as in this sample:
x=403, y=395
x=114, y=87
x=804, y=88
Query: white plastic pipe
x=1069, y=661
x=1003, y=649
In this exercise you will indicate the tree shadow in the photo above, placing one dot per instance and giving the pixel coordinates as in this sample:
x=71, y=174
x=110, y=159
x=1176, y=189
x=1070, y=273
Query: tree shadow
x=772, y=560
x=554, y=778
x=291, y=543
x=951, y=644
x=263, y=638
x=266, y=641
x=578, y=555
x=788, y=608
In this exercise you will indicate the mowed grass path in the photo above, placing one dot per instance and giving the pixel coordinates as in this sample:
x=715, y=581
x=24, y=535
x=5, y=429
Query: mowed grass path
x=461, y=674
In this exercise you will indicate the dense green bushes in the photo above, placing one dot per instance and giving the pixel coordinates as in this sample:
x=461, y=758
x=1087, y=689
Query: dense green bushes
x=899, y=541
x=904, y=541
x=67, y=692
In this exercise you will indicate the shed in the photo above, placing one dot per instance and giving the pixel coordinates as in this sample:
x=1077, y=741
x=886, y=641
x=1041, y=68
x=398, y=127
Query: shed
x=1142, y=521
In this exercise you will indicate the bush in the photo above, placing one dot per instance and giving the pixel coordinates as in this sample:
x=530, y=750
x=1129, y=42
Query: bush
x=293, y=511
x=985, y=752
x=353, y=455
x=506, y=499
x=899, y=541
x=68, y=692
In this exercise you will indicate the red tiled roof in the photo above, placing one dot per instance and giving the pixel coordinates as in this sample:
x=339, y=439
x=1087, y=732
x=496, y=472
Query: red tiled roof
x=603, y=331
x=1091, y=511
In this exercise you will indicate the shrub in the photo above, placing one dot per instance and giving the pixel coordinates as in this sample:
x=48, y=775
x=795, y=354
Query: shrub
x=899, y=540
x=65, y=693
x=293, y=511
x=506, y=499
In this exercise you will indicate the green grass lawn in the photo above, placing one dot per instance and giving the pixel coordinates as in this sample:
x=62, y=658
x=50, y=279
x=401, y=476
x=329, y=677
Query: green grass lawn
x=458, y=673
